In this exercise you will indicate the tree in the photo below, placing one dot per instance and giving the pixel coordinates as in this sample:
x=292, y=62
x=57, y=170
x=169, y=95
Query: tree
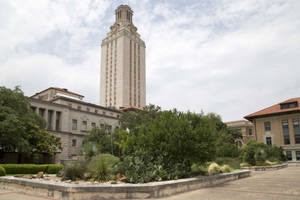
x=225, y=137
x=21, y=130
x=168, y=140
x=101, y=140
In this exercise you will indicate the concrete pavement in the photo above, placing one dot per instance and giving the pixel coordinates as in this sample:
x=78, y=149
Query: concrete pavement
x=283, y=184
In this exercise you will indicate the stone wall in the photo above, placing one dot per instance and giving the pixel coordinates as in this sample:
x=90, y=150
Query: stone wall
x=63, y=191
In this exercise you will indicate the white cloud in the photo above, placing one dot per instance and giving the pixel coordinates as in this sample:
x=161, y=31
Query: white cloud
x=229, y=57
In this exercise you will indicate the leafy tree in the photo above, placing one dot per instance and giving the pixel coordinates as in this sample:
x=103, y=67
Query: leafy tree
x=21, y=130
x=101, y=140
x=167, y=140
x=225, y=137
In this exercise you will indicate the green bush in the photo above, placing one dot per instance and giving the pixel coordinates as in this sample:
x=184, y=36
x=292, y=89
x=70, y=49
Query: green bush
x=138, y=168
x=2, y=171
x=54, y=168
x=24, y=168
x=198, y=169
x=233, y=163
x=74, y=171
x=31, y=168
x=260, y=155
x=102, y=165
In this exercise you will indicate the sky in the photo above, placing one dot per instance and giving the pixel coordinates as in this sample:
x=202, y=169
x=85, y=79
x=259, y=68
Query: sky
x=225, y=56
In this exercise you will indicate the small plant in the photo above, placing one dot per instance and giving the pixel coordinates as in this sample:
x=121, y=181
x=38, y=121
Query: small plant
x=213, y=169
x=74, y=171
x=225, y=169
x=101, y=166
x=2, y=171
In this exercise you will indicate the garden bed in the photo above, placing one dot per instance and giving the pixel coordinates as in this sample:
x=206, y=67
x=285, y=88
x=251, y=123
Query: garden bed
x=265, y=168
x=66, y=191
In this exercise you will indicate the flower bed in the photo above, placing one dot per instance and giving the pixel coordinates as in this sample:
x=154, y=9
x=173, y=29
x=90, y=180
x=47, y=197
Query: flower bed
x=66, y=191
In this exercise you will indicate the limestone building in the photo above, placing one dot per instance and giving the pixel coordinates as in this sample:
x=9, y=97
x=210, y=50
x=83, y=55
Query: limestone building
x=123, y=75
x=246, y=128
x=279, y=125
x=71, y=118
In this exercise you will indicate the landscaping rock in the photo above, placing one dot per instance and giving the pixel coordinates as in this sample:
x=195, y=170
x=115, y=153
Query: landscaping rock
x=68, y=181
x=124, y=179
x=113, y=182
x=87, y=176
x=40, y=175
x=27, y=176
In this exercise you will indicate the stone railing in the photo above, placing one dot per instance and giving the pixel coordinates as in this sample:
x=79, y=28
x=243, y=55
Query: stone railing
x=265, y=168
x=64, y=191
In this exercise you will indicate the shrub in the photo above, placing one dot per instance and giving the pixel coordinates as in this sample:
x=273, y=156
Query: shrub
x=24, y=168
x=54, y=168
x=260, y=155
x=31, y=168
x=214, y=168
x=140, y=168
x=102, y=165
x=198, y=169
x=2, y=171
x=74, y=171
x=225, y=169
x=233, y=163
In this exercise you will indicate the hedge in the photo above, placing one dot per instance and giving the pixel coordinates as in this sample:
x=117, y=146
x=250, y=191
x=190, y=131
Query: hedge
x=31, y=168
x=2, y=171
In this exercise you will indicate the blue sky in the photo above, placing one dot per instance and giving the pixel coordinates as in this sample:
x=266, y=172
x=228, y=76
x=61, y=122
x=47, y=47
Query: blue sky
x=224, y=56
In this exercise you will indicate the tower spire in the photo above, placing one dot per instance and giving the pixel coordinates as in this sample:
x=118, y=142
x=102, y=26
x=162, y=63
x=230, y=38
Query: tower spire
x=123, y=14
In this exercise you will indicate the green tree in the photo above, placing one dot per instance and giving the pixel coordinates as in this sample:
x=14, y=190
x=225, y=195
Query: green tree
x=168, y=140
x=21, y=130
x=101, y=140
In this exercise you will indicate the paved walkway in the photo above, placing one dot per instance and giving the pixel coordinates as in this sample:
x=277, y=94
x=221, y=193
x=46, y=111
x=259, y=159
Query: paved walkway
x=282, y=184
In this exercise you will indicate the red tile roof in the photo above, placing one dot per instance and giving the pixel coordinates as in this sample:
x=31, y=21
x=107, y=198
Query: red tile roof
x=275, y=109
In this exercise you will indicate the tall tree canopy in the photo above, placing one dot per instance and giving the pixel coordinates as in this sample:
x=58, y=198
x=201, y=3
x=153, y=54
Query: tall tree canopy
x=21, y=130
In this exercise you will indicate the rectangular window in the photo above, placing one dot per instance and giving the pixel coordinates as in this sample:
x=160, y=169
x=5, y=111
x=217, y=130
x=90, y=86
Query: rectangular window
x=269, y=141
x=289, y=105
x=296, y=130
x=41, y=112
x=84, y=125
x=285, y=130
x=79, y=107
x=74, y=143
x=289, y=155
x=33, y=109
x=93, y=124
x=96, y=111
x=74, y=124
x=57, y=123
x=49, y=120
x=70, y=105
x=88, y=109
x=250, y=131
x=297, y=155
x=267, y=126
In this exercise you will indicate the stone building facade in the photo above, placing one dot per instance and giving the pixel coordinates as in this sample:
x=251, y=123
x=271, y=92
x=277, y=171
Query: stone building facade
x=279, y=125
x=123, y=73
x=247, y=130
x=70, y=118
